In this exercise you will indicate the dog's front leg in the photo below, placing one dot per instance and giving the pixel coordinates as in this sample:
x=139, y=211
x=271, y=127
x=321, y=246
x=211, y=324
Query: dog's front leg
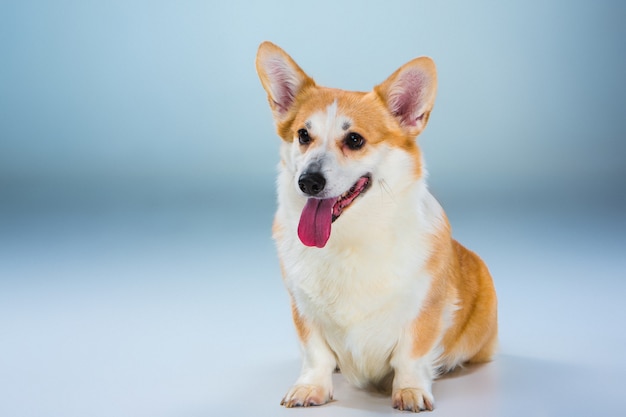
x=413, y=361
x=315, y=384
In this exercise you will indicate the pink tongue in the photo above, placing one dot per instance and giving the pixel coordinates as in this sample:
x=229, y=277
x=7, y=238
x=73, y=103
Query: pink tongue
x=315, y=221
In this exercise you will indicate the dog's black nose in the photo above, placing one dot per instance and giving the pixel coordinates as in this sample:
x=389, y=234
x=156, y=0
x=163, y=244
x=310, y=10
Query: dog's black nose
x=311, y=183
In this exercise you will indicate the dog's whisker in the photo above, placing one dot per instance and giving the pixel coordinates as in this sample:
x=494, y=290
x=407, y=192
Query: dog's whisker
x=386, y=189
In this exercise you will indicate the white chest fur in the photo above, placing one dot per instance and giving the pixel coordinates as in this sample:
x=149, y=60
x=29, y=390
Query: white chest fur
x=367, y=284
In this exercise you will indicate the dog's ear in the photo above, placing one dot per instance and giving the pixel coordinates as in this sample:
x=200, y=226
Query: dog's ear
x=281, y=77
x=409, y=93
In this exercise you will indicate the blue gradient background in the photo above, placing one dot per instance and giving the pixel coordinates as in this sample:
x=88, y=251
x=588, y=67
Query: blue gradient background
x=137, y=164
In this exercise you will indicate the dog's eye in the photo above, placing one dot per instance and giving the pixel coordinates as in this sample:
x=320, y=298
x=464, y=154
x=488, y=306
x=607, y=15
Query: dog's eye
x=303, y=137
x=354, y=141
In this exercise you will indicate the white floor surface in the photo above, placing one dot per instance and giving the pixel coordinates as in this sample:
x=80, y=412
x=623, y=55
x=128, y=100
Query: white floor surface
x=180, y=311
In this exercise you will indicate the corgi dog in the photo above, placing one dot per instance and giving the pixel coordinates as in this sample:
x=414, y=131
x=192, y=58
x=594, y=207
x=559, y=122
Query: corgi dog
x=379, y=289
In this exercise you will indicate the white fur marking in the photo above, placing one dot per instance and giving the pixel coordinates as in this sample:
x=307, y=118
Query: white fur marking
x=327, y=127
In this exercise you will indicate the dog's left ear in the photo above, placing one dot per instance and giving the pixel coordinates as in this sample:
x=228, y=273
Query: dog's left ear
x=281, y=77
x=409, y=93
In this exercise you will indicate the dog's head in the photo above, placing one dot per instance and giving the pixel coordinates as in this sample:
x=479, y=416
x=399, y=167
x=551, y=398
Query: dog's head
x=337, y=143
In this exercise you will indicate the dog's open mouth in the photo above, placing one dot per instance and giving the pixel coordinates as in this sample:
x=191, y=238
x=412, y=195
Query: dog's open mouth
x=348, y=197
x=318, y=214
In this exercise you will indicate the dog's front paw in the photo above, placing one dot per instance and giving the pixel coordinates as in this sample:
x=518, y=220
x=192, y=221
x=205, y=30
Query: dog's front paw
x=413, y=399
x=306, y=395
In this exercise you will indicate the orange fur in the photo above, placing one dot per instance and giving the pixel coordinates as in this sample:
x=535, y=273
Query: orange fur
x=302, y=328
x=427, y=326
x=474, y=328
x=460, y=277
x=474, y=332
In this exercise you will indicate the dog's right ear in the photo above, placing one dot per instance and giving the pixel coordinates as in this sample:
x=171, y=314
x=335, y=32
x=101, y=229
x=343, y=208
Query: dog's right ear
x=281, y=77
